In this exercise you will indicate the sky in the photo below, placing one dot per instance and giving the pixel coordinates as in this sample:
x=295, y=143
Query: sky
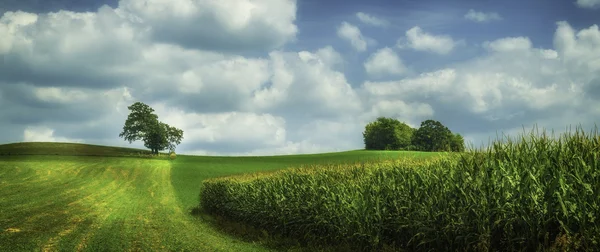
x=270, y=77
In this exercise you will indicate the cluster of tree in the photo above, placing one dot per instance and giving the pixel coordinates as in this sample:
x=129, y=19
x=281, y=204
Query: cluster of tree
x=143, y=124
x=391, y=134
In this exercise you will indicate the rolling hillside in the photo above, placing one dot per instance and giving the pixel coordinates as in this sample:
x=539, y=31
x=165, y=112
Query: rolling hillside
x=77, y=197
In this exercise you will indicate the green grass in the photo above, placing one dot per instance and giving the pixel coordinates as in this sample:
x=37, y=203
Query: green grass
x=67, y=149
x=74, y=197
x=95, y=203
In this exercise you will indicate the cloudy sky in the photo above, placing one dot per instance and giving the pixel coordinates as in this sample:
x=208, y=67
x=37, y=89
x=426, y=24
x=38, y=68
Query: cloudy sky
x=262, y=77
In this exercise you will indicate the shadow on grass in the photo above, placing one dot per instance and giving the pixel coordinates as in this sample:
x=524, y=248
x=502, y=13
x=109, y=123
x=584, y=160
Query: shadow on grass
x=249, y=233
x=276, y=242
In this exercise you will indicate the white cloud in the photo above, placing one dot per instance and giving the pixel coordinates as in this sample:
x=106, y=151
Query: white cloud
x=508, y=44
x=548, y=53
x=371, y=20
x=203, y=82
x=590, y=4
x=505, y=90
x=59, y=49
x=59, y=95
x=329, y=56
x=326, y=92
x=384, y=62
x=246, y=134
x=482, y=17
x=226, y=25
x=409, y=113
x=578, y=50
x=353, y=35
x=424, y=84
x=230, y=128
x=419, y=40
x=331, y=135
x=44, y=134
x=10, y=23
x=198, y=80
x=289, y=148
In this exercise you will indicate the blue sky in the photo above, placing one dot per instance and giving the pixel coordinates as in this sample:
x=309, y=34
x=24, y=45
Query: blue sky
x=294, y=76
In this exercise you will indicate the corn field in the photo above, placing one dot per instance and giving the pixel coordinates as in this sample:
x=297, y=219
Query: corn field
x=531, y=193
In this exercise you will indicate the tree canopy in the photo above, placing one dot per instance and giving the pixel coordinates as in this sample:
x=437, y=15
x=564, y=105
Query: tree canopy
x=143, y=124
x=391, y=134
x=432, y=136
x=458, y=143
x=387, y=134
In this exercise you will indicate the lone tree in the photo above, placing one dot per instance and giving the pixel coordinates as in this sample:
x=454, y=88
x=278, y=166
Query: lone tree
x=387, y=134
x=143, y=124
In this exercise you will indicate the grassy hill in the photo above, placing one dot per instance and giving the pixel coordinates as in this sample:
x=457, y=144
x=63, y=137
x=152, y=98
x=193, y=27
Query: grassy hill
x=67, y=149
x=78, y=197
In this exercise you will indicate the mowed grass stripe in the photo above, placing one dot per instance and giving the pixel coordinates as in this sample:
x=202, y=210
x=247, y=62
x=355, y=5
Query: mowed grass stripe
x=98, y=204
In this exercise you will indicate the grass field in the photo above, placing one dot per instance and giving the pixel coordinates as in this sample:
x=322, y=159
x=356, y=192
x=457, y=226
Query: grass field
x=67, y=149
x=73, y=197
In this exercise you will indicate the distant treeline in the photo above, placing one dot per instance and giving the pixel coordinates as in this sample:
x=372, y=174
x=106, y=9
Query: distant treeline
x=391, y=134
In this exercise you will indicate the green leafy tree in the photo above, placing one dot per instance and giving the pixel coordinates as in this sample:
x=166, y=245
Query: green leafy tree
x=458, y=143
x=387, y=134
x=174, y=137
x=433, y=136
x=142, y=124
x=156, y=137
